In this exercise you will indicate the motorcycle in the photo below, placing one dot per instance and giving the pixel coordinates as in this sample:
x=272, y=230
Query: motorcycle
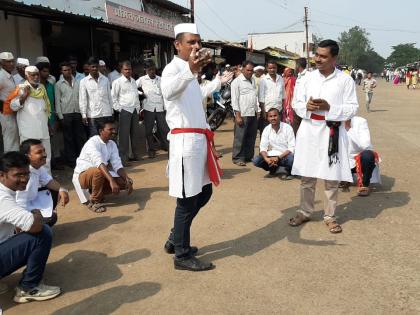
x=220, y=110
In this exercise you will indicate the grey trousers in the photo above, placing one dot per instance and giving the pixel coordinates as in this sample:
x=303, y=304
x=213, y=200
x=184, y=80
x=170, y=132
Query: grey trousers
x=307, y=197
x=244, y=140
x=162, y=129
x=128, y=131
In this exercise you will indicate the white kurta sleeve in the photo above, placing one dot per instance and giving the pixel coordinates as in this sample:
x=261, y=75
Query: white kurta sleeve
x=265, y=142
x=15, y=103
x=115, y=157
x=360, y=136
x=115, y=93
x=174, y=81
x=300, y=100
x=346, y=110
x=83, y=99
x=211, y=87
x=234, y=90
x=261, y=91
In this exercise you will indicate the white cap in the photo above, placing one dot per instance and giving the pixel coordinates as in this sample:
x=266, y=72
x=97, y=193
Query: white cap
x=31, y=69
x=185, y=28
x=6, y=56
x=227, y=66
x=22, y=62
x=102, y=63
x=259, y=68
x=42, y=59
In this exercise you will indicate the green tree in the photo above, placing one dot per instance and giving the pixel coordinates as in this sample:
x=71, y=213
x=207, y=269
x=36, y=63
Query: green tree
x=403, y=54
x=371, y=61
x=353, y=45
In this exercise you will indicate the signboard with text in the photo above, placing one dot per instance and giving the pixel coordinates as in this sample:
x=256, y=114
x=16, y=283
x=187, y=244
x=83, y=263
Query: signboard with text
x=124, y=16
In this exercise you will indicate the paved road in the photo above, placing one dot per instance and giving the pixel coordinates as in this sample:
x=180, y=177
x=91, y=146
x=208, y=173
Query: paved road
x=114, y=263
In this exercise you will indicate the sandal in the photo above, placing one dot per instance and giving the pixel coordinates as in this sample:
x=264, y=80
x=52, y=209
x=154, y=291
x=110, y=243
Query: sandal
x=96, y=207
x=333, y=226
x=364, y=191
x=240, y=163
x=298, y=219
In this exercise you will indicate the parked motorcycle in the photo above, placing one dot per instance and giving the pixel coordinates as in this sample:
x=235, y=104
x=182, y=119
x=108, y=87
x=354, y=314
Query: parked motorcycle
x=221, y=109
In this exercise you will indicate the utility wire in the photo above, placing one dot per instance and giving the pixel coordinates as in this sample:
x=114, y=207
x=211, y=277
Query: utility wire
x=370, y=28
x=209, y=29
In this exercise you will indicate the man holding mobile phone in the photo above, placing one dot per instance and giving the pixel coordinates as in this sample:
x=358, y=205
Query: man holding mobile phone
x=326, y=98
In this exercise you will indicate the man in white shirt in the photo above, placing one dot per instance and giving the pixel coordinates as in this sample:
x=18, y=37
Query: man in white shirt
x=368, y=85
x=24, y=239
x=245, y=104
x=191, y=154
x=154, y=109
x=21, y=64
x=99, y=168
x=95, y=99
x=326, y=99
x=33, y=110
x=42, y=191
x=8, y=122
x=363, y=160
x=277, y=146
x=271, y=93
x=126, y=101
x=68, y=112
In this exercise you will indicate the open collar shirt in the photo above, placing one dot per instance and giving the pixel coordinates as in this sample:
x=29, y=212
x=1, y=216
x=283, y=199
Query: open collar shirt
x=95, y=99
x=125, y=95
x=280, y=141
x=96, y=152
x=152, y=91
x=244, y=96
x=12, y=215
x=271, y=92
x=67, y=97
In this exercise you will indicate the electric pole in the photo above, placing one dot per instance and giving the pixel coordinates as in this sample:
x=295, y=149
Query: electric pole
x=192, y=10
x=307, y=37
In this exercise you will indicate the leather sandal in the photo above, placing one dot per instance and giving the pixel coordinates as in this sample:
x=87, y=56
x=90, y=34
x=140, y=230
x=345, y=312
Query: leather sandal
x=298, y=219
x=333, y=226
x=363, y=191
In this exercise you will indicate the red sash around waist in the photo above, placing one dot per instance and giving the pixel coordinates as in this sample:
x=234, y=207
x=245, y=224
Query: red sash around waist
x=317, y=117
x=213, y=168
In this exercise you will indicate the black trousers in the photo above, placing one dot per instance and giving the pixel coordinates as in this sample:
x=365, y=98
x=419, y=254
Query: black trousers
x=244, y=140
x=162, y=129
x=74, y=136
x=185, y=212
x=367, y=160
x=128, y=132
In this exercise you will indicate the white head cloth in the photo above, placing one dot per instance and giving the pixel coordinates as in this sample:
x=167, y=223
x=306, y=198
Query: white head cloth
x=185, y=28
x=259, y=68
x=31, y=69
x=42, y=59
x=102, y=63
x=22, y=62
x=6, y=55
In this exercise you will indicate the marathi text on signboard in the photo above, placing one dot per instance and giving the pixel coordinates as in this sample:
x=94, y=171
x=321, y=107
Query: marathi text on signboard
x=142, y=21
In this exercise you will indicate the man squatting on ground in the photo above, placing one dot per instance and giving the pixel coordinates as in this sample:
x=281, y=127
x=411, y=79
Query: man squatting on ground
x=192, y=163
x=24, y=239
x=277, y=146
x=326, y=98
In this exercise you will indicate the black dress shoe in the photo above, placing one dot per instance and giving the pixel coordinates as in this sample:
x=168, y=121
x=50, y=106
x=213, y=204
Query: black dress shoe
x=192, y=264
x=170, y=248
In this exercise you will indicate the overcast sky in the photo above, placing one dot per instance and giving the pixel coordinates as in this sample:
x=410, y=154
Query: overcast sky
x=389, y=22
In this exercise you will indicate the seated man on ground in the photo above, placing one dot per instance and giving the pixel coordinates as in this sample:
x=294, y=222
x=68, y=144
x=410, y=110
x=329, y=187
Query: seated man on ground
x=363, y=160
x=277, y=146
x=99, y=168
x=42, y=191
x=24, y=239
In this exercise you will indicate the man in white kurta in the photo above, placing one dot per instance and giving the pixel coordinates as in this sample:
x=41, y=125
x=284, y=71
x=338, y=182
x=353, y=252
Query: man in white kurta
x=187, y=168
x=327, y=94
x=33, y=110
x=363, y=160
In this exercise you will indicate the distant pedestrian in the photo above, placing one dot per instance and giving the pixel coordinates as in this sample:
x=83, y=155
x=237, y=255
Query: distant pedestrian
x=414, y=78
x=289, y=87
x=368, y=85
x=21, y=64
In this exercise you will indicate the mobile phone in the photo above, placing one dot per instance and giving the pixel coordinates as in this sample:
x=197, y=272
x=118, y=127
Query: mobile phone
x=317, y=100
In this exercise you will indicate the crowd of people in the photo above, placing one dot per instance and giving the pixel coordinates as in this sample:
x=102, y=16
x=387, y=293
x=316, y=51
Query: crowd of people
x=308, y=129
x=407, y=75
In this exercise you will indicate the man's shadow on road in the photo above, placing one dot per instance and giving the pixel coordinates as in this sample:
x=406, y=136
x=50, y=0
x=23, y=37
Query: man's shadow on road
x=110, y=300
x=359, y=208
